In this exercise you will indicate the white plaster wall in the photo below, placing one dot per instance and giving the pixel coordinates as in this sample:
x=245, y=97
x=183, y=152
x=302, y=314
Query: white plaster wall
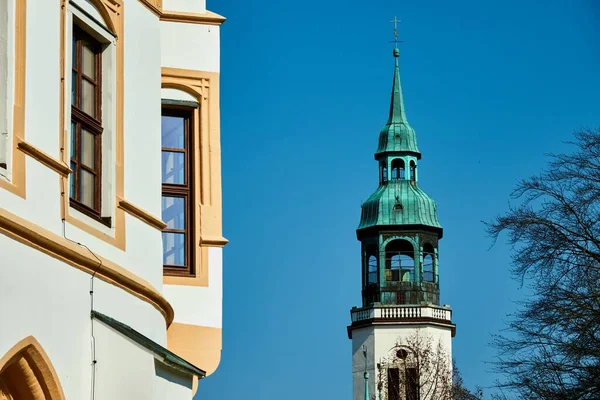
x=201, y=306
x=142, y=109
x=380, y=340
x=175, y=94
x=191, y=6
x=190, y=46
x=43, y=72
x=360, y=337
x=123, y=370
x=43, y=297
x=170, y=384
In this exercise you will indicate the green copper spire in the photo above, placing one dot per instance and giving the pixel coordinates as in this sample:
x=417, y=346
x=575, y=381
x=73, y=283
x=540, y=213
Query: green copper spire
x=397, y=135
x=398, y=201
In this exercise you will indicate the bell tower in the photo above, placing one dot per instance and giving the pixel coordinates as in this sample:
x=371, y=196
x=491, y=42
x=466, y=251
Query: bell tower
x=399, y=233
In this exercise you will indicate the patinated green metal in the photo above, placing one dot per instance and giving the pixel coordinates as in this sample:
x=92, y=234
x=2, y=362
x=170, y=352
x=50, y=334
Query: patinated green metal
x=398, y=201
x=397, y=135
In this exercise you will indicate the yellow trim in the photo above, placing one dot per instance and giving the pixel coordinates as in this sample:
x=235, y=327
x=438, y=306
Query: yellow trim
x=204, y=87
x=213, y=241
x=79, y=257
x=39, y=380
x=208, y=18
x=142, y=215
x=17, y=183
x=153, y=5
x=112, y=12
x=44, y=158
x=200, y=345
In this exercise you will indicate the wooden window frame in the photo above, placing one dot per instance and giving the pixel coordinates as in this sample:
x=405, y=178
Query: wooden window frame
x=185, y=191
x=92, y=124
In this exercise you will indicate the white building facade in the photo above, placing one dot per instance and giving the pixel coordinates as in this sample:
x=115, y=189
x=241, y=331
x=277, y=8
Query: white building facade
x=401, y=335
x=110, y=198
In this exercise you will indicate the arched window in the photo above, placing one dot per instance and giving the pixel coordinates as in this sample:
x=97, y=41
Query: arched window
x=413, y=171
x=399, y=261
x=372, y=270
x=428, y=263
x=398, y=169
x=28, y=373
x=384, y=174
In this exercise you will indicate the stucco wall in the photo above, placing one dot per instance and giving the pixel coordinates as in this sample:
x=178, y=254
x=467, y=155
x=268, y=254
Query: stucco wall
x=44, y=297
x=380, y=340
x=191, y=6
x=198, y=49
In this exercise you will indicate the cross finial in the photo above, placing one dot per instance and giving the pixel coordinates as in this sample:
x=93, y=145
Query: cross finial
x=396, y=40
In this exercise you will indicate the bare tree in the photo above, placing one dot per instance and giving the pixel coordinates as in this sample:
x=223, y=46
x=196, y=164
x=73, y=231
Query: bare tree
x=459, y=391
x=419, y=368
x=552, y=347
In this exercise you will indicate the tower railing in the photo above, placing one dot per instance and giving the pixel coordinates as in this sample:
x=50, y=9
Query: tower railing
x=408, y=312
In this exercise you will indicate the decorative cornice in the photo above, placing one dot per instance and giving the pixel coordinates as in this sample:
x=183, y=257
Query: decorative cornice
x=213, y=241
x=208, y=18
x=153, y=5
x=142, y=215
x=44, y=158
x=79, y=257
x=401, y=321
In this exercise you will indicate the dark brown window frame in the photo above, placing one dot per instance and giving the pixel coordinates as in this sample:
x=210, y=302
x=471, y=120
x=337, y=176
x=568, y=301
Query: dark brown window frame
x=92, y=123
x=185, y=191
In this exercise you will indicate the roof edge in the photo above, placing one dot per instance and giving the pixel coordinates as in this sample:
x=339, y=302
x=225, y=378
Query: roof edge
x=161, y=353
x=377, y=229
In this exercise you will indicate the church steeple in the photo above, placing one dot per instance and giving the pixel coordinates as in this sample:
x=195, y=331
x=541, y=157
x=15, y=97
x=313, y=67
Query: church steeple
x=398, y=201
x=397, y=113
x=397, y=135
x=399, y=228
x=399, y=233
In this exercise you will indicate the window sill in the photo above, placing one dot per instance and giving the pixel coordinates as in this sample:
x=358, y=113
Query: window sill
x=106, y=221
x=178, y=272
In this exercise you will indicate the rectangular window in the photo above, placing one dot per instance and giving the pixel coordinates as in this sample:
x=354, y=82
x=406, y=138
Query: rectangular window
x=393, y=384
x=177, y=193
x=412, y=384
x=85, y=190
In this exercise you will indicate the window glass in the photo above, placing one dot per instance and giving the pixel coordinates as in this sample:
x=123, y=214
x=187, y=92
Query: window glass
x=88, y=61
x=173, y=167
x=173, y=132
x=85, y=184
x=174, y=249
x=177, y=191
x=173, y=212
x=88, y=148
x=87, y=188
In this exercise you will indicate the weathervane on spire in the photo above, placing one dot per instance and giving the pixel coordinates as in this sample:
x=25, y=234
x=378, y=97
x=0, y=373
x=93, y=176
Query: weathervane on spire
x=396, y=40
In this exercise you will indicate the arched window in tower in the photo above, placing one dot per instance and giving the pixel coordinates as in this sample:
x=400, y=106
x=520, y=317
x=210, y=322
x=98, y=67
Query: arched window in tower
x=372, y=270
x=399, y=261
x=384, y=173
x=398, y=169
x=413, y=171
x=428, y=263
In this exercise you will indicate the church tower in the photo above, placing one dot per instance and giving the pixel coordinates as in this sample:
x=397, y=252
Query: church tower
x=401, y=321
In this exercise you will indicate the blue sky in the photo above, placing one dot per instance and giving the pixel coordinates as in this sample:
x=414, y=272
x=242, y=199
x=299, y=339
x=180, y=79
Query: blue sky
x=490, y=88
